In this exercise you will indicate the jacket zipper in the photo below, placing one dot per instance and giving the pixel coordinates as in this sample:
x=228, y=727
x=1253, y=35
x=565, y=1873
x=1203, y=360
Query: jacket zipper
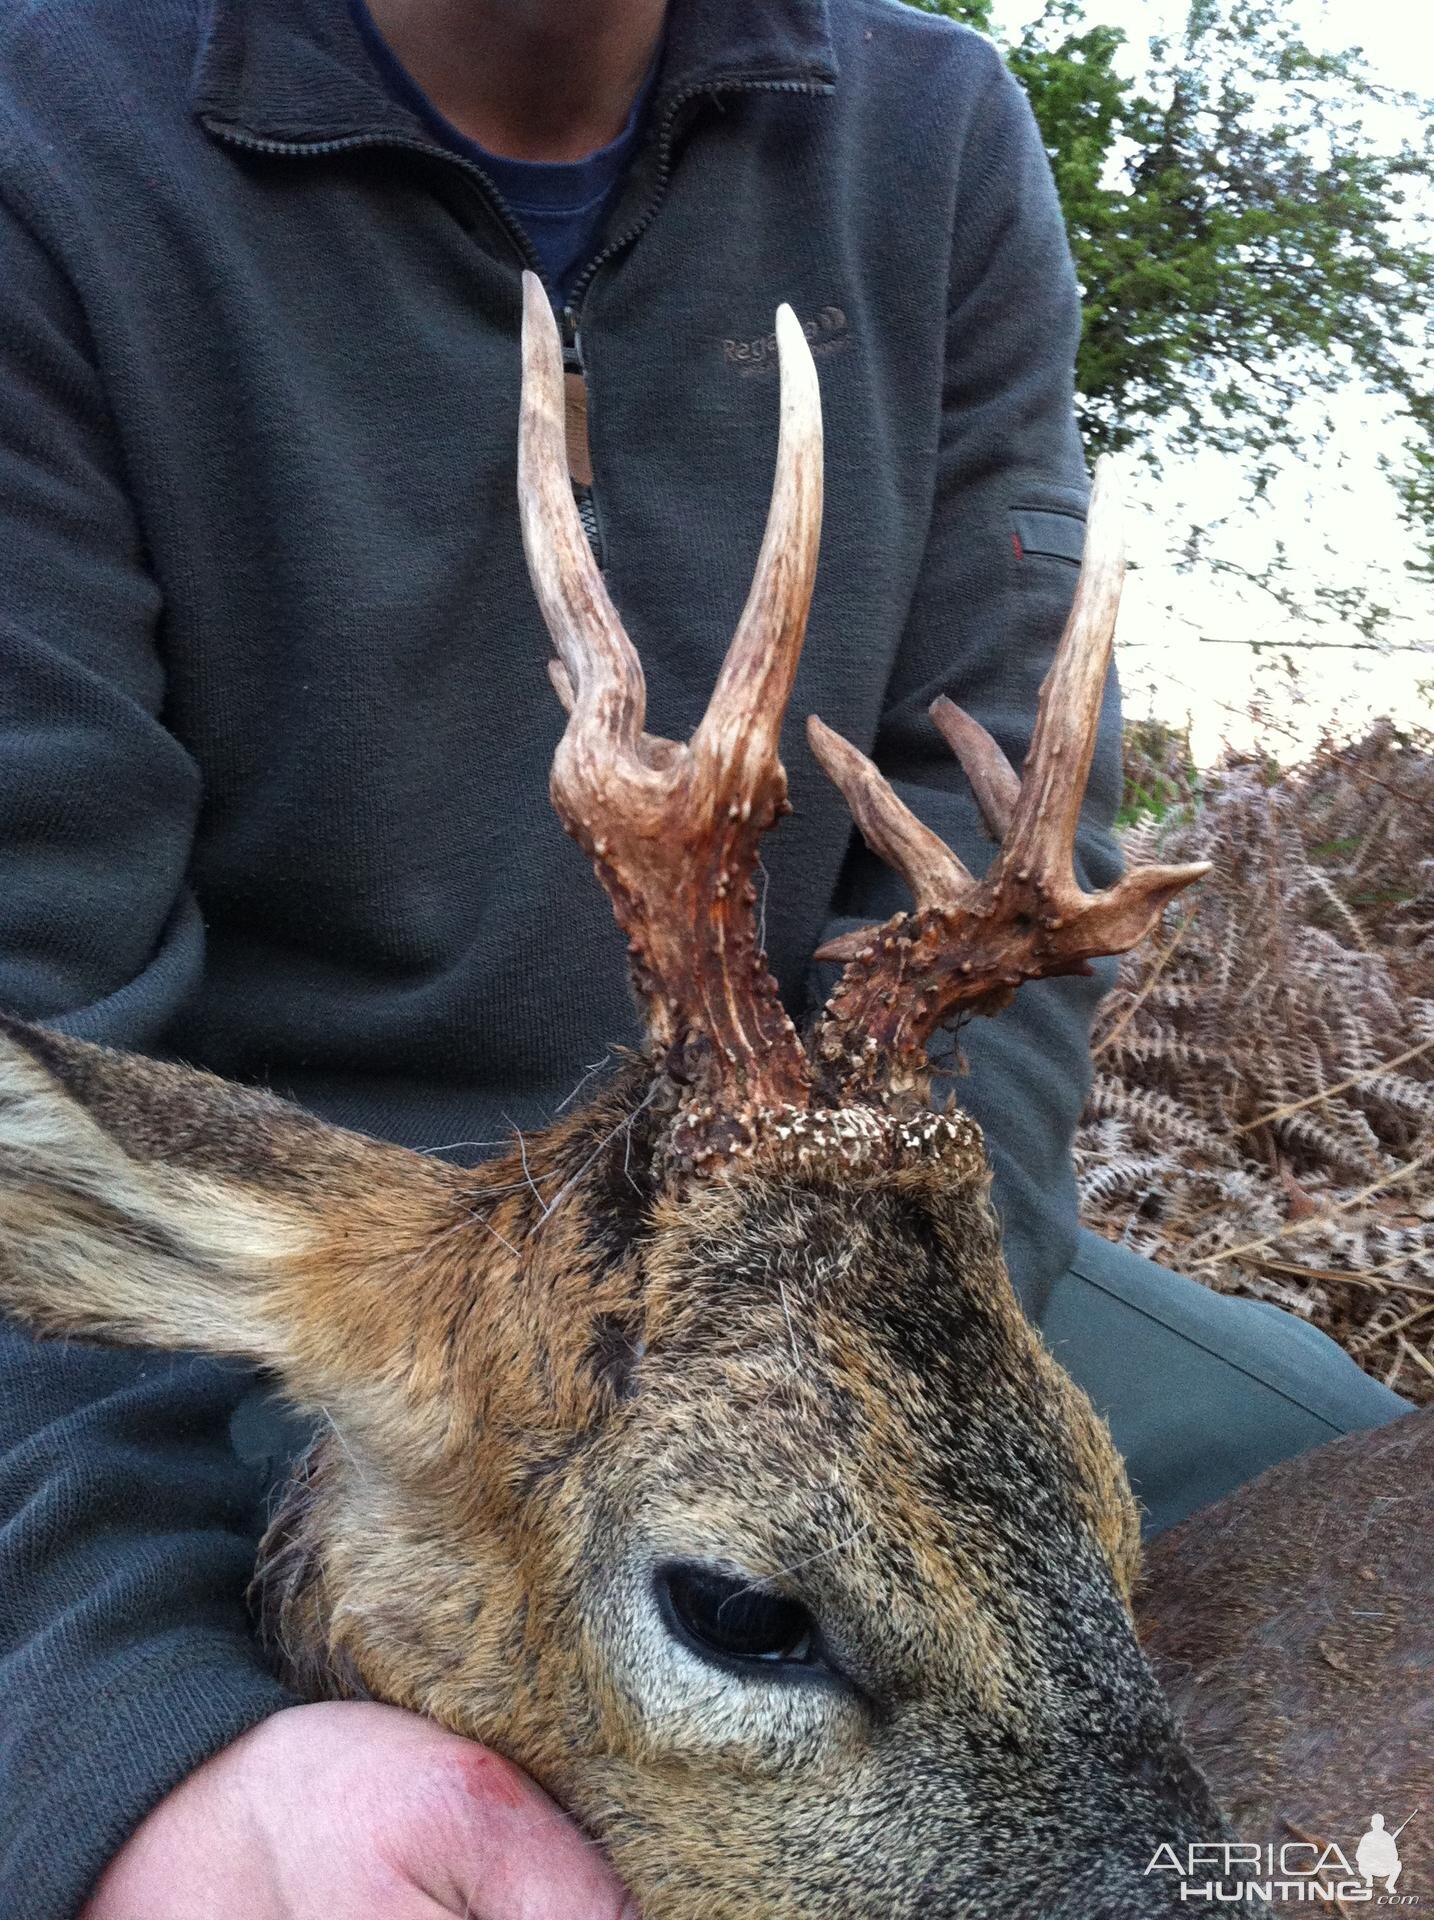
x=570, y=317
x=572, y=311
x=665, y=132
x=356, y=142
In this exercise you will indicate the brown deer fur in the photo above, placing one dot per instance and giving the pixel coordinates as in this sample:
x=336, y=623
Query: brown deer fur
x=1291, y=1626
x=540, y=1379
x=744, y=1316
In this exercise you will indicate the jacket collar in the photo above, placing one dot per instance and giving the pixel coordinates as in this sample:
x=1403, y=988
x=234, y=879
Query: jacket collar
x=296, y=74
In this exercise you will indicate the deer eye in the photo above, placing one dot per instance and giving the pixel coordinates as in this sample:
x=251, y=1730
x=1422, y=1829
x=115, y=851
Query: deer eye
x=721, y=1616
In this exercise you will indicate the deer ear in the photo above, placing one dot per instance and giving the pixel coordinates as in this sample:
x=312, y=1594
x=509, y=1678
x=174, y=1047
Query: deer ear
x=153, y=1205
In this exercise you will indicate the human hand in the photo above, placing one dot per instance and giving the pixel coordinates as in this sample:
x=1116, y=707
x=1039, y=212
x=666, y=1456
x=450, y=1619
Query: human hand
x=351, y=1809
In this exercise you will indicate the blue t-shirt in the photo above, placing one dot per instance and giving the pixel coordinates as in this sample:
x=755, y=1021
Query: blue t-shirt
x=560, y=205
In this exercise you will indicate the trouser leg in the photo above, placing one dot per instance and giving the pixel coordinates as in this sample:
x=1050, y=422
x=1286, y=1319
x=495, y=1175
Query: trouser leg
x=1202, y=1392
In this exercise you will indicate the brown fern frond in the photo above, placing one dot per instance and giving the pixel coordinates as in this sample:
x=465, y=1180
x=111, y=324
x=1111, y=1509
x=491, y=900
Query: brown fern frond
x=1275, y=1049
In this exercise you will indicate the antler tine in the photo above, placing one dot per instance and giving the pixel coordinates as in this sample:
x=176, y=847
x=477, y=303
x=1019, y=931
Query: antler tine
x=743, y=722
x=1042, y=830
x=994, y=781
x=936, y=877
x=606, y=689
x=968, y=946
x=673, y=830
x=1036, y=865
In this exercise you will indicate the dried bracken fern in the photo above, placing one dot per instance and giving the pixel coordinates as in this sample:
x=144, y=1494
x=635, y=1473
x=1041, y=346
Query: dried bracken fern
x=1262, y=1115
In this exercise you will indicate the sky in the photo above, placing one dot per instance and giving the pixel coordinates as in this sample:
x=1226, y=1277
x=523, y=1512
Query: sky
x=1339, y=521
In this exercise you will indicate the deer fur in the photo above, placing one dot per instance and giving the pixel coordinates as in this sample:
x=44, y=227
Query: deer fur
x=541, y=1377
x=1290, y=1624
x=745, y=1311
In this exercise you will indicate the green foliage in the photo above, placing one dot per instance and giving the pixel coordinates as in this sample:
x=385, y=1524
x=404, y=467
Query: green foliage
x=1250, y=231
x=968, y=13
x=1161, y=777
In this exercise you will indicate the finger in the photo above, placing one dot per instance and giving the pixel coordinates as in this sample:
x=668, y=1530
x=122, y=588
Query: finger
x=510, y=1853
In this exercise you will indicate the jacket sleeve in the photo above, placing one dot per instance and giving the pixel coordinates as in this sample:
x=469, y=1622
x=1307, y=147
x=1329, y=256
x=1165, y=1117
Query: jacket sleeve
x=126, y=1522
x=995, y=587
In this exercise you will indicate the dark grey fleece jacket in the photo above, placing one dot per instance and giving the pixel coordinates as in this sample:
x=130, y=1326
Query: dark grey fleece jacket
x=274, y=722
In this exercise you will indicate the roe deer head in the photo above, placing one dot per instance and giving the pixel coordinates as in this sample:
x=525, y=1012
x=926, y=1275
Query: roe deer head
x=695, y=1454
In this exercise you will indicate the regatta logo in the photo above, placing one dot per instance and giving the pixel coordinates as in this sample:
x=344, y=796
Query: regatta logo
x=827, y=332
x=1224, y=1873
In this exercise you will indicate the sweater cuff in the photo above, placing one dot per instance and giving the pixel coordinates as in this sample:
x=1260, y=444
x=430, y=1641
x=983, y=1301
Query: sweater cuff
x=115, y=1740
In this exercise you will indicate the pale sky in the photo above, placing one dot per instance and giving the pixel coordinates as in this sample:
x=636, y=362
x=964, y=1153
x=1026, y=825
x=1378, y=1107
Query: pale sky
x=1338, y=521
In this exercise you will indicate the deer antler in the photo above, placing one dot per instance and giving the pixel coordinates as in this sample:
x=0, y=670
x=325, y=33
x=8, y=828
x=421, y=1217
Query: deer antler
x=969, y=944
x=673, y=830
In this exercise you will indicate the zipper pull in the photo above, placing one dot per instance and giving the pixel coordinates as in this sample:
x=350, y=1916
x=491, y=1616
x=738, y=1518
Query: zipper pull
x=575, y=422
x=572, y=341
x=575, y=398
